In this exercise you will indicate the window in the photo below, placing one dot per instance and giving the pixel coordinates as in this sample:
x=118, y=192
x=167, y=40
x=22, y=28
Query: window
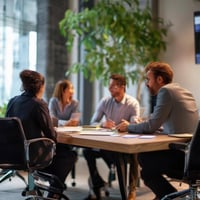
x=18, y=36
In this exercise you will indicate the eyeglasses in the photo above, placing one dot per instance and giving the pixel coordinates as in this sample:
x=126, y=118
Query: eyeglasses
x=115, y=87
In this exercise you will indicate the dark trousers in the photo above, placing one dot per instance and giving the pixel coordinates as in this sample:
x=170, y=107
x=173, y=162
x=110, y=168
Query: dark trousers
x=63, y=162
x=158, y=163
x=91, y=155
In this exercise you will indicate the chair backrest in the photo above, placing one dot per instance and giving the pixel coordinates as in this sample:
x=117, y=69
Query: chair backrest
x=12, y=144
x=192, y=160
x=16, y=152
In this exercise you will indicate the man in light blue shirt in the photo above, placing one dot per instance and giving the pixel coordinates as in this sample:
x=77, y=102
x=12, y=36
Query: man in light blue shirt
x=110, y=112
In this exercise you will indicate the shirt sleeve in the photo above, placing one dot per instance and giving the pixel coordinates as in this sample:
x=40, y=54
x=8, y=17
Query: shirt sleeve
x=44, y=120
x=52, y=107
x=99, y=113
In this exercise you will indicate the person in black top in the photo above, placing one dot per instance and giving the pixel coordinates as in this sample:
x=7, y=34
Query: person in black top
x=34, y=114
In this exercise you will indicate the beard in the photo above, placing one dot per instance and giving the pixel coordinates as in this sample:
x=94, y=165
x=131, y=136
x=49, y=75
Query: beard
x=151, y=91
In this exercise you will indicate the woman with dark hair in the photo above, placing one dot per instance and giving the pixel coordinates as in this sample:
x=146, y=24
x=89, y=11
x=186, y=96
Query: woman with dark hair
x=34, y=114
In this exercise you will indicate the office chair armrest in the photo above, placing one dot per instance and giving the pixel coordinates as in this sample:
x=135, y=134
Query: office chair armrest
x=178, y=146
x=39, y=152
x=34, y=140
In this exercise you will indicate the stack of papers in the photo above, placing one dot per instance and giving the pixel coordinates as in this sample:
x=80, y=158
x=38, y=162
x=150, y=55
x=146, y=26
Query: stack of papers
x=68, y=129
x=91, y=127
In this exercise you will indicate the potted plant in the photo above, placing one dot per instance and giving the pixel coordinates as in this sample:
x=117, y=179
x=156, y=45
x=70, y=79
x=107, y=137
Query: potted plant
x=117, y=36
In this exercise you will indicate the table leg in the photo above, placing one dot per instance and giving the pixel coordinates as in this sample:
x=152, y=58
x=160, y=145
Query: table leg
x=121, y=164
x=133, y=175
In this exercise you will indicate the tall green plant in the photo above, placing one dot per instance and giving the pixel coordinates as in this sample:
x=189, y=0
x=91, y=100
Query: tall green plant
x=3, y=110
x=117, y=36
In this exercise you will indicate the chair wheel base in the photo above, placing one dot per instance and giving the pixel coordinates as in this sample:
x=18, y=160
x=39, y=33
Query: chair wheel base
x=73, y=184
x=107, y=193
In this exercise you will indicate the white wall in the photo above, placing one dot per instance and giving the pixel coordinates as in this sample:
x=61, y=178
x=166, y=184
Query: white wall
x=180, y=47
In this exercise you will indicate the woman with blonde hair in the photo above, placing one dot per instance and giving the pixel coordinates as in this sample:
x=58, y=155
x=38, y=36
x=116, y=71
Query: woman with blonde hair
x=62, y=105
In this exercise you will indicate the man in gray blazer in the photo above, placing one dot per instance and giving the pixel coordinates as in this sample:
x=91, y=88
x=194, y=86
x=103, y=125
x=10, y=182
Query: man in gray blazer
x=176, y=112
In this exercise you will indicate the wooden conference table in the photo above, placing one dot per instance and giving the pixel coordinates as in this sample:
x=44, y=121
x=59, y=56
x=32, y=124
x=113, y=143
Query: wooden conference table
x=122, y=144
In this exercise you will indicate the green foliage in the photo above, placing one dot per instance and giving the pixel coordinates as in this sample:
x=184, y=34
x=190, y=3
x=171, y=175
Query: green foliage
x=118, y=37
x=3, y=110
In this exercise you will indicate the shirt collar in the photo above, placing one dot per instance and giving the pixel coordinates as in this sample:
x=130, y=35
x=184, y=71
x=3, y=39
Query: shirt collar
x=122, y=101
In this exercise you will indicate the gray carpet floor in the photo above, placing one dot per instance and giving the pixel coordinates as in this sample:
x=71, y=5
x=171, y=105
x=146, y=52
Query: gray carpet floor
x=11, y=189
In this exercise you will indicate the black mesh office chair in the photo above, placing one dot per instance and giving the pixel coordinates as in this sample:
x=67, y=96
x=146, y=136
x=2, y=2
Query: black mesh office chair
x=191, y=169
x=18, y=153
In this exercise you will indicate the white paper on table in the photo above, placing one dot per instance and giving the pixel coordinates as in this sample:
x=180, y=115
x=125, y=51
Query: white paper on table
x=130, y=136
x=147, y=136
x=75, y=116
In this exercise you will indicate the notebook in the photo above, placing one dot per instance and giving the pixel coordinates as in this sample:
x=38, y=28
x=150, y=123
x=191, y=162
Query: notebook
x=182, y=135
x=91, y=128
x=97, y=132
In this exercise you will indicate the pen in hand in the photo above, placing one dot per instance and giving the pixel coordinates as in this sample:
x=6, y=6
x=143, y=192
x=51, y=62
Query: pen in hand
x=109, y=123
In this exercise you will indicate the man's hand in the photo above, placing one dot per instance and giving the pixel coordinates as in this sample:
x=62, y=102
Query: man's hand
x=71, y=122
x=123, y=126
x=136, y=120
x=108, y=124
